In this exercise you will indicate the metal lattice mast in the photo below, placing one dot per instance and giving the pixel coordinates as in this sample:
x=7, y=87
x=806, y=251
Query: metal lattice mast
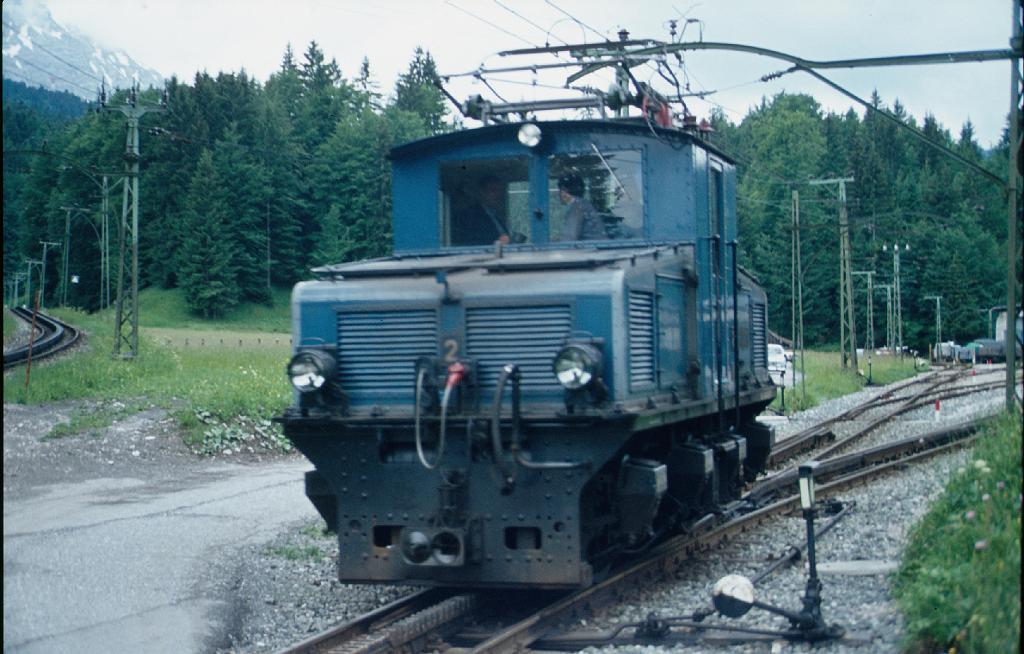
x=105, y=248
x=847, y=322
x=897, y=294
x=869, y=344
x=17, y=284
x=126, y=337
x=890, y=338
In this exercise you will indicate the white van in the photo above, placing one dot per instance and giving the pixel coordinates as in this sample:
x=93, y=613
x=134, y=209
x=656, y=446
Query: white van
x=776, y=358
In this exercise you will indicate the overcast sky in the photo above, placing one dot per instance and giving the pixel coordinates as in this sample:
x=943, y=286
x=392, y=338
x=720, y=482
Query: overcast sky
x=180, y=37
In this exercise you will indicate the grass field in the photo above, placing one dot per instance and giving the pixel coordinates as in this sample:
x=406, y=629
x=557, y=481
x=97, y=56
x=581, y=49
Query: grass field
x=167, y=308
x=216, y=338
x=826, y=379
x=959, y=583
x=221, y=393
x=10, y=324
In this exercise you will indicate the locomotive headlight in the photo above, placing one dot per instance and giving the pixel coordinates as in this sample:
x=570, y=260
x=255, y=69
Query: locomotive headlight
x=309, y=370
x=529, y=135
x=576, y=365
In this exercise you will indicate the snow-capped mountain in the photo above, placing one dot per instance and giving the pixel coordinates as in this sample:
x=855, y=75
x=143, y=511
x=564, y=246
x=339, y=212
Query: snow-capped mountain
x=40, y=52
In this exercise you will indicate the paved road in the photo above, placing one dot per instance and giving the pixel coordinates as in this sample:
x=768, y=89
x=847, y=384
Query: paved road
x=121, y=564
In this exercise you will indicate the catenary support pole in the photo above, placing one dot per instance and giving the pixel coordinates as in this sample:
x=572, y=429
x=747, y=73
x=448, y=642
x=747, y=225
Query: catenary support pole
x=847, y=322
x=126, y=336
x=1013, y=257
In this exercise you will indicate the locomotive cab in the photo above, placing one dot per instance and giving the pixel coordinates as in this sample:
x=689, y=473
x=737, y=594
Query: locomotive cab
x=560, y=363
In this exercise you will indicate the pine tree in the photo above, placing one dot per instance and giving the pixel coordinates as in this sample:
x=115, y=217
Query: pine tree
x=207, y=260
x=242, y=184
x=331, y=245
x=368, y=88
x=282, y=158
x=325, y=98
x=416, y=91
x=171, y=158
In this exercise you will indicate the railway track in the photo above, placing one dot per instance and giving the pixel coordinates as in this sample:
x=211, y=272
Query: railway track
x=54, y=336
x=821, y=440
x=443, y=619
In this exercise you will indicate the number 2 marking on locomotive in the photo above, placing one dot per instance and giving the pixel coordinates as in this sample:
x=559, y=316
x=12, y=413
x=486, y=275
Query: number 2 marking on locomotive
x=451, y=349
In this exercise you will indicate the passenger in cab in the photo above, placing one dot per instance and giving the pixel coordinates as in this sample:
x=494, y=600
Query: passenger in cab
x=582, y=222
x=482, y=218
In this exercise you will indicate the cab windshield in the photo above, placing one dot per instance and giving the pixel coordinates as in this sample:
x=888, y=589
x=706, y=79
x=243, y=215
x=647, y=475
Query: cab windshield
x=594, y=195
x=484, y=200
x=597, y=195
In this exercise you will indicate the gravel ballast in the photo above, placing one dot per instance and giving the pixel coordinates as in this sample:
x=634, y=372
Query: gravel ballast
x=296, y=598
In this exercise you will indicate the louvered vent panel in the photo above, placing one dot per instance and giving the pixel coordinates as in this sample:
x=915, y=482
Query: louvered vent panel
x=759, y=340
x=641, y=338
x=377, y=350
x=527, y=336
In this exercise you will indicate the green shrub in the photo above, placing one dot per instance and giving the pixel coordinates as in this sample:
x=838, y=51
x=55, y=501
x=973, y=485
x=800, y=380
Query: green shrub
x=959, y=583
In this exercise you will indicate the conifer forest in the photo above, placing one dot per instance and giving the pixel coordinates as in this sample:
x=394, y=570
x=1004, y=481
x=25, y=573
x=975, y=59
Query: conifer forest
x=247, y=184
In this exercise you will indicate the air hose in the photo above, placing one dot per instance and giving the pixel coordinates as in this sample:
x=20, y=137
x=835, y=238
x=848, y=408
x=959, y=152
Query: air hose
x=456, y=371
x=511, y=371
x=418, y=419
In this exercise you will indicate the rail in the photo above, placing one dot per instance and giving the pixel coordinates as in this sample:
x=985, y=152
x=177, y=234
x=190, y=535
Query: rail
x=57, y=336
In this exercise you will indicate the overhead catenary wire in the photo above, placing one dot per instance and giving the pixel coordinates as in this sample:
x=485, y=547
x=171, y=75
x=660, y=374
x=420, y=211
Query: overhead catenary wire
x=574, y=19
x=547, y=32
x=59, y=58
x=889, y=116
x=56, y=76
x=17, y=77
x=487, y=22
x=501, y=80
x=492, y=89
x=527, y=20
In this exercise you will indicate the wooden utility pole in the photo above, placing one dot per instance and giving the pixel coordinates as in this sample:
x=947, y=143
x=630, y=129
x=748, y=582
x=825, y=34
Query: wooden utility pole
x=795, y=208
x=847, y=321
x=938, y=322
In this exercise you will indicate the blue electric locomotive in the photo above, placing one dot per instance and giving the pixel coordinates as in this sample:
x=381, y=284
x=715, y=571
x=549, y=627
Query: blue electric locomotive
x=513, y=400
